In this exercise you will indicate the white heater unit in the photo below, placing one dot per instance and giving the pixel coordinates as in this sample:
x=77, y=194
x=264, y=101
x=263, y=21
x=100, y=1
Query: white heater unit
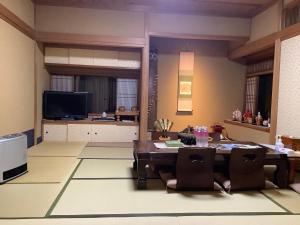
x=13, y=156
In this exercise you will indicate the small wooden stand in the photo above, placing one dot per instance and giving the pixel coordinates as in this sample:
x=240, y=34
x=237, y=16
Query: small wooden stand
x=135, y=114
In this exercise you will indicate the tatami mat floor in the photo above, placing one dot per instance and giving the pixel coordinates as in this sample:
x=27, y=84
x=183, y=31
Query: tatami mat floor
x=79, y=183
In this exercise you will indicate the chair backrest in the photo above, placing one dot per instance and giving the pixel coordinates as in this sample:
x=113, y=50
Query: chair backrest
x=194, y=168
x=246, y=168
x=291, y=142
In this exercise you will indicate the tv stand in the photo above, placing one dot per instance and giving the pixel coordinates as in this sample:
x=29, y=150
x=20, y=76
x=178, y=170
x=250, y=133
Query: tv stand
x=87, y=130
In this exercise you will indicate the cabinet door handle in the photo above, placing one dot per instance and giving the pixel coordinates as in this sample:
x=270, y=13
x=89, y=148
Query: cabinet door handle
x=88, y=133
x=47, y=132
x=96, y=133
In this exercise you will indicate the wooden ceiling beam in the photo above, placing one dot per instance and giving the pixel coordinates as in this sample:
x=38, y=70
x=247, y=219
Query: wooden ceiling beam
x=230, y=8
x=264, y=43
x=88, y=40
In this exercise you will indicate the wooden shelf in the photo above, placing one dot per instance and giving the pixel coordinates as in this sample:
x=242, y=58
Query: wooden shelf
x=260, y=73
x=251, y=126
x=127, y=113
x=134, y=114
x=89, y=121
x=265, y=43
x=71, y=70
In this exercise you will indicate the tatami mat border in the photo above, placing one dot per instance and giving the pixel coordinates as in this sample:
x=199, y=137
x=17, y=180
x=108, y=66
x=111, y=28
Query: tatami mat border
x=62, y=190
x=275, y=202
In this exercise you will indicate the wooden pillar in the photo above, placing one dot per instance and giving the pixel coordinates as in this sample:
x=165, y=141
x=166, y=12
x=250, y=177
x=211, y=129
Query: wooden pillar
x=275, y=90
x=144, y=84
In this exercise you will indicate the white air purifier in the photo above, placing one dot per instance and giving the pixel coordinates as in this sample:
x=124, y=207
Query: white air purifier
x=13, y=156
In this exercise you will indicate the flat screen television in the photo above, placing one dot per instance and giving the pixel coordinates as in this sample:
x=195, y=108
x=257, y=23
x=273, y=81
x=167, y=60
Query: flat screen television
x=65, y=105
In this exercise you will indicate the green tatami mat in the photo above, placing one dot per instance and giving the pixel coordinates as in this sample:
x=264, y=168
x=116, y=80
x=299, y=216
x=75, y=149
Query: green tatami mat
x=57, y=149
x=96, y=221
x=107, y=168
x=289, y=199
x=47, y=170
x=106, y=153
x=119, y=196
x=27, y=200
x=241, y=220
x=190, y=220
x=110, y=144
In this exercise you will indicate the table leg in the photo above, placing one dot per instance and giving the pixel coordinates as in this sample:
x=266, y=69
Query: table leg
x=134, y=165
x=141, y=174
x=292, y=170
x=281, y=173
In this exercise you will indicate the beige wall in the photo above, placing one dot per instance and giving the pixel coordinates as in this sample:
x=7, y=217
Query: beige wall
x=265, y=23
x=217, y=87
x=288, y=120
x=89, y=21
x=287, y=1
x=16, y=80
x=125, y=23
x=205, y=25
x=24, y=9
x=240, y=133
x=42, y=84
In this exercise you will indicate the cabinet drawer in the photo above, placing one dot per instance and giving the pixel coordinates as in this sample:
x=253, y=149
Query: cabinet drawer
x=57, y=55
x=55, y=132
x=127, y=133
x=79, y=132
x=104, y=133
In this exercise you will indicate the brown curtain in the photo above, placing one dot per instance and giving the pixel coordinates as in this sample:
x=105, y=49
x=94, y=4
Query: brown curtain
x=102, y=90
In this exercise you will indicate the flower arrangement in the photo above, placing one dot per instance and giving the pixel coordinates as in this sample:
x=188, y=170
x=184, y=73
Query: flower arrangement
x=247, y=117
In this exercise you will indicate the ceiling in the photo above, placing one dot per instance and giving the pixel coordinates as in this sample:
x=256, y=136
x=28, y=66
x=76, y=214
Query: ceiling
x=230, y=8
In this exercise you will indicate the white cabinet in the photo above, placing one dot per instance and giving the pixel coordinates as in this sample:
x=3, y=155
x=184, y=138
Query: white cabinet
x=81, y=57
x=129, y=60
x=105, y=58
x=79, y=132
x=127, y=133
x=90, y=132
x=57, y=55
x=55, y=132
x=92, y=57
x=104, y=133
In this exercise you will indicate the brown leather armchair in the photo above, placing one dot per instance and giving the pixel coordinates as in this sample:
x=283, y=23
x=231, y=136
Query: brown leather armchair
x=245, y=170
x=194, y=170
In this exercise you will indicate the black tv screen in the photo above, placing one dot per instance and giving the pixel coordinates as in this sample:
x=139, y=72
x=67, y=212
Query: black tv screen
x=60, y=105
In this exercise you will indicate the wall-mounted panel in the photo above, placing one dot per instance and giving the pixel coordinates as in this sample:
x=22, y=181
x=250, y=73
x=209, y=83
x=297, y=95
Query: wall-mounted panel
x=81, y=57
x=105, y=58
x=24, y=9
x=288, y=118
x=16, y=80
x=265, y=23
x=129, y=59
x=57, y=55
x=89, y=57
x=198, y=25
x=89, y=21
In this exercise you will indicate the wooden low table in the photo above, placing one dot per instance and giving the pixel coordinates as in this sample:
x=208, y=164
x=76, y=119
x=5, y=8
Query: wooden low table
x=145, y=152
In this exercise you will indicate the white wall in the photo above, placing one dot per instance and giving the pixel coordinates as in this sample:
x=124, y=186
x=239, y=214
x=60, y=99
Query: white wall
x=16, y=80
x=265, y=23
x=89, y=21
x=192, y=24
x=24, y=9
x=288, y=120
x=132, y=24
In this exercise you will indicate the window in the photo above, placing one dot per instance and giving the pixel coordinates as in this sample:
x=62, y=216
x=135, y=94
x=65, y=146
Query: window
x=62, y=83
x=127, y=93
x=106, y=93
x=258, y=89
x=291, y=14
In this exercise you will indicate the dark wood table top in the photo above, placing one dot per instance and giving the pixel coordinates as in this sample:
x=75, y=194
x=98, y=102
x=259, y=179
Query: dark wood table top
x=148, y=147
